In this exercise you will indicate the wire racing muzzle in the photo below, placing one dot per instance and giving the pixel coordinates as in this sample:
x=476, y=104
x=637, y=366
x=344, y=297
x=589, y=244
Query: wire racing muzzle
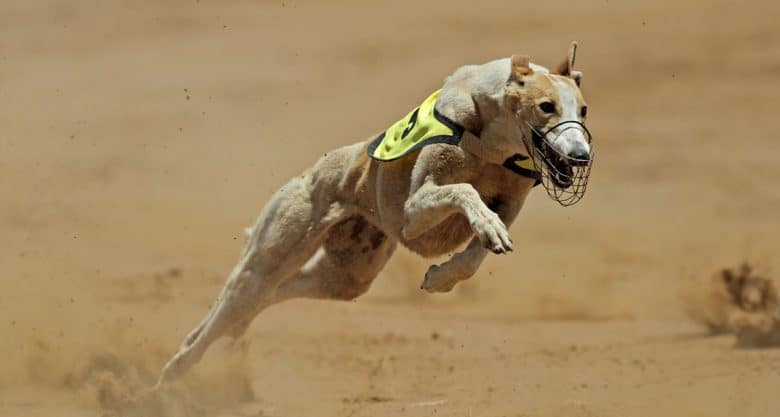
x=564, y=177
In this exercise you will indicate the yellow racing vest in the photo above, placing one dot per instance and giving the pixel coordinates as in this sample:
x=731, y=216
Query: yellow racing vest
x=425, y=126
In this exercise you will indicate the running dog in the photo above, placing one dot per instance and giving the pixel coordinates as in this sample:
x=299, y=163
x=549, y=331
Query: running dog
x=456, y=170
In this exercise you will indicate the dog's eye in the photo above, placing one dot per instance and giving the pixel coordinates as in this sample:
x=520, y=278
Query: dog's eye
x=584, y=111
x=547, y=107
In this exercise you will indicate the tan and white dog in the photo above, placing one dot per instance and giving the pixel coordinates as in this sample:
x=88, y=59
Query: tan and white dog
x=328, y=232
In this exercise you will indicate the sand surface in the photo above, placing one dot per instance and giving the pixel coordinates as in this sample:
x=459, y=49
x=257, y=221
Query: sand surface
x=138, y=138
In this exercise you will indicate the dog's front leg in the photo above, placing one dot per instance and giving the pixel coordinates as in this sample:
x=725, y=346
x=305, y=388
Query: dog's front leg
x=431, y=204
x=462, y=266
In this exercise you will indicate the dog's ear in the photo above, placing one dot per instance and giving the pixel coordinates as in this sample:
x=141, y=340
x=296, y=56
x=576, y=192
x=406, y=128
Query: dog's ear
x=521, y=66
x=566, y=68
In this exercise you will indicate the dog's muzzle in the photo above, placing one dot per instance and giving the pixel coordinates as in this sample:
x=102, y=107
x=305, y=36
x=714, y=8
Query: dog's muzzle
x=565, y=177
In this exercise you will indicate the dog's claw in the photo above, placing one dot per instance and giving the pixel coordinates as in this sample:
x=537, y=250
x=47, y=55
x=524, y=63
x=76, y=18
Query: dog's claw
x=492, y=232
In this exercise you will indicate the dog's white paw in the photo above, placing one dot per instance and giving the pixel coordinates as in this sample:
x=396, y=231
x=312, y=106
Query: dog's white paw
x=439, y=279
x=492, y=232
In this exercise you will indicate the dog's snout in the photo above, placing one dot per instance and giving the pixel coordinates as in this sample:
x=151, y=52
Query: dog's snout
x=572, y=143
x=580, y=156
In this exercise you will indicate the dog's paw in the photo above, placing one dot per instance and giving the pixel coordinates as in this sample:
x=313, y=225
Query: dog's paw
x=492, y=232
x=438, y=279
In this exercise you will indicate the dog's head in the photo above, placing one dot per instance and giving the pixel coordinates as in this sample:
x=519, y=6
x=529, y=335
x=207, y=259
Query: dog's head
x=548, y=101
x=542, y=113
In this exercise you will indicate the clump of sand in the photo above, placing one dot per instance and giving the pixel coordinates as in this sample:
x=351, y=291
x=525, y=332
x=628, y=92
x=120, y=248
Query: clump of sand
x=738, y=301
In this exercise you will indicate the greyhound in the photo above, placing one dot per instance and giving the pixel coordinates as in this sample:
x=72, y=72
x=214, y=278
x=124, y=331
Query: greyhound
x=457, y=169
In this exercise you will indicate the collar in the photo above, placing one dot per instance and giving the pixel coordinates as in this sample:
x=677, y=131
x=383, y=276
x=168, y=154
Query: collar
x=524, y=166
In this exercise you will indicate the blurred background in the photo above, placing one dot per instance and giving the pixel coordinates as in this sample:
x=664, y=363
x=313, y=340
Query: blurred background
x=138, y=139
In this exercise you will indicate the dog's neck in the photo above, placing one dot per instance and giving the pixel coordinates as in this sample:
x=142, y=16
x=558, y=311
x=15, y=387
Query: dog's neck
x=469, y=98
x=495, y=155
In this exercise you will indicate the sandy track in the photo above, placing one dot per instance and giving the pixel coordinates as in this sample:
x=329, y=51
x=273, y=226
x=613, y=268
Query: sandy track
x=138, y=139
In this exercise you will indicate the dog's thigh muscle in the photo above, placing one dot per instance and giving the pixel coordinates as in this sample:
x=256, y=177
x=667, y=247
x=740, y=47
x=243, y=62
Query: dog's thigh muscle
x=353, y=254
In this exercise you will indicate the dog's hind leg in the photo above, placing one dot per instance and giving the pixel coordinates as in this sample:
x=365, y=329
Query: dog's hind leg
x=288, y=232
x=353, y=254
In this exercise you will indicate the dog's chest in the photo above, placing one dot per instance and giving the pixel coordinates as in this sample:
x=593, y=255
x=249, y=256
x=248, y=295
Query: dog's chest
x=496, y=184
